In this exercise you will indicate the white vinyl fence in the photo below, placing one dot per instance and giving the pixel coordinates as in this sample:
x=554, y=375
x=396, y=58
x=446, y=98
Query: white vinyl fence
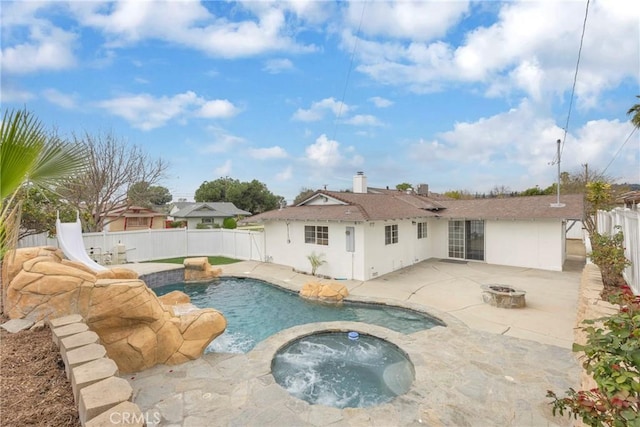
x=148, y=245
x=629, y=222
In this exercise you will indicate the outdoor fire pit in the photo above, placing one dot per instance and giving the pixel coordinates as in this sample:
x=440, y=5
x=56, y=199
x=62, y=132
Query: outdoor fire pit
x=503, y=296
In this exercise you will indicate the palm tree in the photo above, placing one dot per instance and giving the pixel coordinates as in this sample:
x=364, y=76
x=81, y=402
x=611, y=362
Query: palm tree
x=29, y=156
x=635, y=110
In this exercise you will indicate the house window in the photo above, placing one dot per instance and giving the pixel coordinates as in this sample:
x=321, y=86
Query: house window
x=316, y=234
x=390, y=234
x=422, y=230
x=137, y=221
x=207, y=220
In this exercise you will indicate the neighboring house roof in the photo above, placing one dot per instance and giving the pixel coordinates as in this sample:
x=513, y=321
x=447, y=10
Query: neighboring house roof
x=629, y=198
x=177, y=206
x=210, y=210
x=133, y=211
x=346, y=206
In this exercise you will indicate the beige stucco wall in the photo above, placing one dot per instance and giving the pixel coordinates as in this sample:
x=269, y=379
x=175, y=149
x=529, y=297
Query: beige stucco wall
x=118, y=225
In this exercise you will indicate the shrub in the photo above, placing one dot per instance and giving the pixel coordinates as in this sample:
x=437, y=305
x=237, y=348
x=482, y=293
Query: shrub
x=612, y=357
x=229, y=223
x=316, y=261
x=608, y=254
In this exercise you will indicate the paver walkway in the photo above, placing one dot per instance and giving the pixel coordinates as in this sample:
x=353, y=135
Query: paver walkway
x=488, y=367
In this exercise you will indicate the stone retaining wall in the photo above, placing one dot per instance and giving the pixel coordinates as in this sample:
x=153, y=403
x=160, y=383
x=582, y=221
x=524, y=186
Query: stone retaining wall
x=137, y=329
x=102, y=397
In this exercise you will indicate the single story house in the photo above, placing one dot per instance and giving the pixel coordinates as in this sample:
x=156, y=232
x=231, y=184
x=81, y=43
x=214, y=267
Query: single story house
x=207, y=214
x=134, y=218
x=367, y=233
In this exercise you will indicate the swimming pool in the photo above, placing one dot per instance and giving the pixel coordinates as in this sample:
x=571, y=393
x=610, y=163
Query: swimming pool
x=255, y=310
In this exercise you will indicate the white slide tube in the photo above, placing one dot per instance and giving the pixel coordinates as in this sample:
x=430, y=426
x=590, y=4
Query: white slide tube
x=69, y=235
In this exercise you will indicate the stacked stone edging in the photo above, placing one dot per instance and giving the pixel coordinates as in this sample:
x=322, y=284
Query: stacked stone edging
x=102, y=397
x=590, y=306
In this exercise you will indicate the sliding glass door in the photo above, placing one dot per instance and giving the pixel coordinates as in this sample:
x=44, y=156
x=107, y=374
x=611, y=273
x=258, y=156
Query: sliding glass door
x=466, y=239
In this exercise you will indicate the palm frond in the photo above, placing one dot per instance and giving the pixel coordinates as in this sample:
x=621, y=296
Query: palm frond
x=21, y=141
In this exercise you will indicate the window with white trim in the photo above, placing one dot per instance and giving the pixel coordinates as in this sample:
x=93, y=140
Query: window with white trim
x=316, y=234
x=390, y=234
x=422, y=230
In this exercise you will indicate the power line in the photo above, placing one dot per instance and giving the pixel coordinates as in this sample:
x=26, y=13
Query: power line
x=575, y=79
x=346, y=83
x=620, y=149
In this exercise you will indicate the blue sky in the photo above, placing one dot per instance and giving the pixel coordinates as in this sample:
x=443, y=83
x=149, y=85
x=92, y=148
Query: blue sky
x=455, y=94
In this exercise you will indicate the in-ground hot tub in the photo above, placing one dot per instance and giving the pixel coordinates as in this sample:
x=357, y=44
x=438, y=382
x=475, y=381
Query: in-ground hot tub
x=343, y=369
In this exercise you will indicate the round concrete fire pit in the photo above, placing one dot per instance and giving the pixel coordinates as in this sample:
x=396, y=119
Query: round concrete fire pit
x=503, y=296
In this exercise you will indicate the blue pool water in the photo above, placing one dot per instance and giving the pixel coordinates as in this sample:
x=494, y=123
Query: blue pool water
x=255, y=310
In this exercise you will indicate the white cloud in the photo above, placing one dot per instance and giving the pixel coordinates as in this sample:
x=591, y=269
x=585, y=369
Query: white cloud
x=219, y=108
x=224, y=169
x=406, y=19
x=268, y=153
x=381, y=102
x=193, y=25
x=363, y=120
x=147, y=112
x=324, y=152
x=60, y=99
x=318, y=110
x=11, y=94
x=522, y=144
x=285, y=175
x=223, y=141
x=277, y=66
x=531, y=48
x=46, y=48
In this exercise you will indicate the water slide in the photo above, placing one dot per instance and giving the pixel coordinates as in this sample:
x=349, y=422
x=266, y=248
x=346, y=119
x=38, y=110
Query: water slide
x=69, y=236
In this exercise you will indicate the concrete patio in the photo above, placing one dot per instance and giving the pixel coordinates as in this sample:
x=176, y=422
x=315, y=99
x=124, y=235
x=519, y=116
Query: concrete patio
x=489, y=366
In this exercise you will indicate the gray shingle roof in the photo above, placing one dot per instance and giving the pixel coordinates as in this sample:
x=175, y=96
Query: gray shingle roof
x=210, y=210
x=390, y=206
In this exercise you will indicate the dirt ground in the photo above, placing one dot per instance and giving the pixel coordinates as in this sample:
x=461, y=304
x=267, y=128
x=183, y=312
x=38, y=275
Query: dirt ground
x=34, y=390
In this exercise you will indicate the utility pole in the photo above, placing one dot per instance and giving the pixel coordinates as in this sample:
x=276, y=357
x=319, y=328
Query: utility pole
x=558, y=204
x=586, y=173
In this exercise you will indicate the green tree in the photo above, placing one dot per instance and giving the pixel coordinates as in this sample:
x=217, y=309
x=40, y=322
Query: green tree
x=215, y=191
x=143, y=194
x=634, y=112
x=403, y=186
x=303, y=195
x=598, y=197
x=458, y=194
x=40, y=208
x=252, y=196
x=29, y=155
